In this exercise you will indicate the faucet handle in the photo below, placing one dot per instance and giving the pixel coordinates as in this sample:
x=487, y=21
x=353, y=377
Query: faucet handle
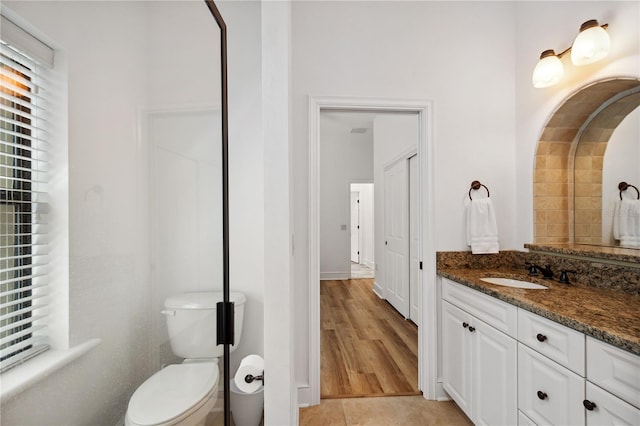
x=564, y=278
x=533, y=269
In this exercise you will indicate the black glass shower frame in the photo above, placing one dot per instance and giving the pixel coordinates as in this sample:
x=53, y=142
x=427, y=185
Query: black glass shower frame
x=225, y=309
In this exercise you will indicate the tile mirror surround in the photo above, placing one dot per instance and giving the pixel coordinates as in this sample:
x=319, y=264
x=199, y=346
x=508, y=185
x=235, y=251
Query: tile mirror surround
x=569, y=158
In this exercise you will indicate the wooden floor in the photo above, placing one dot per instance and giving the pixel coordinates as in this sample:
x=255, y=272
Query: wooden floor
x=367, y=347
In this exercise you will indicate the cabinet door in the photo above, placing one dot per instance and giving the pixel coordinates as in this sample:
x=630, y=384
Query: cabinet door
x=456, y=356
x=495, y=376
x=608, y=409
x=548, y=393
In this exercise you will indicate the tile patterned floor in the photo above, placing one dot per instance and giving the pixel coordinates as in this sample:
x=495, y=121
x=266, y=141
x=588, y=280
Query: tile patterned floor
x=383, y=411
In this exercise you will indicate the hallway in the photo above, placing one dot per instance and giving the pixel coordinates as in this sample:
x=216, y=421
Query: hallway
x=367, y=347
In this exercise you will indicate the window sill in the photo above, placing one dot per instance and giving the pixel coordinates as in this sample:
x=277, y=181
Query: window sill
x=23, y=376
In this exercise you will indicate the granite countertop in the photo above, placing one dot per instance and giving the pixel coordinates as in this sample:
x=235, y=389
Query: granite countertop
x=607, y=315
x=619, y=254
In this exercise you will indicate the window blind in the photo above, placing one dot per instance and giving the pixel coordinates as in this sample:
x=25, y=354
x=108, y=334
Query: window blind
x=23, y=207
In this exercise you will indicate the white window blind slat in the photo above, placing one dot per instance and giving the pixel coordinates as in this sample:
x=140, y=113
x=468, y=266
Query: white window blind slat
x=15, y=279
x=22, y=322
x=19, y=134
x=20, y=81
x=18, y=334
x=23, y=268
x=6, y=122
x=21, y=300
x=20, y=313
x=15, y=112
x=24, y=178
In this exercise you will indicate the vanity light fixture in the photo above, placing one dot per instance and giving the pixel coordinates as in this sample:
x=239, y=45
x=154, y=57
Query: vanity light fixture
x=591, y=45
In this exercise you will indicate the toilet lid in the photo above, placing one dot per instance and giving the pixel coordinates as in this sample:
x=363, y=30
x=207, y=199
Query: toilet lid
x=172, y=392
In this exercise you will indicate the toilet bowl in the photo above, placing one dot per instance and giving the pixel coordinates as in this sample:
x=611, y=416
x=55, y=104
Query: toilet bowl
x=184, y=394
x=179, y=394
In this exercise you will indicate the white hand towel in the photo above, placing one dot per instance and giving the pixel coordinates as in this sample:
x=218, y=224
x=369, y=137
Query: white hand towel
x=482, y=230
x=616, y=220
x=628, y=223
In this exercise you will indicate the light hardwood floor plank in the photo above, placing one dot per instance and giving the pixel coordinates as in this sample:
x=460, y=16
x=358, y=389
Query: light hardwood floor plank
x=367, y=347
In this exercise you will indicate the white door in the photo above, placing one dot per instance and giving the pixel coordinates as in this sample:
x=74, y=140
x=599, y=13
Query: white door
x=355, y=226
x=414, y=242
x=396, y=231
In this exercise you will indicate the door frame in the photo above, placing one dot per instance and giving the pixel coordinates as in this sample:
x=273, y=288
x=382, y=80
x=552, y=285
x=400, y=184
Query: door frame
x=428, y=321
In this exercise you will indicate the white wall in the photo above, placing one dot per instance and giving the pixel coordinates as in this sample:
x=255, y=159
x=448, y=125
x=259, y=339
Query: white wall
x=395, y=136
x=116, y=70
x=367, y=218
x=345, y=157
x=413, y=50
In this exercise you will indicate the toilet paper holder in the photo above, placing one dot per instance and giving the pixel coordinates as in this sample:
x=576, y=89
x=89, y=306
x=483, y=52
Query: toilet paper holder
x=249, y=378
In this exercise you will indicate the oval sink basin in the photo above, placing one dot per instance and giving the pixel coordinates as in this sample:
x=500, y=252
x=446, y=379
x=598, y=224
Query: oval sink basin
x=510, y=282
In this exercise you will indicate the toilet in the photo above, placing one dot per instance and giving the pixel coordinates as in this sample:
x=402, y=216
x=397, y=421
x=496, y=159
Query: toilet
x=184, y=394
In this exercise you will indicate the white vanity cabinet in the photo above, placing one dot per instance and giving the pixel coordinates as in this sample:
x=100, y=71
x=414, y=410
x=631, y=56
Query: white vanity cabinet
x=479, y=360
x=506, y=365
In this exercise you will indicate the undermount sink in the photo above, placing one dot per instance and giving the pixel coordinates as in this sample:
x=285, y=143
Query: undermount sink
x=510, y=282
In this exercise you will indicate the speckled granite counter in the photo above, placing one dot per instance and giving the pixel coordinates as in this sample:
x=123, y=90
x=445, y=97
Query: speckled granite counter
x=619, y=254
x=607, y=315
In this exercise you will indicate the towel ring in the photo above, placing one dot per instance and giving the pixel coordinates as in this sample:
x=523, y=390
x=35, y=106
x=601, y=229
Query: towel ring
x=623, y=186
x=475, y=185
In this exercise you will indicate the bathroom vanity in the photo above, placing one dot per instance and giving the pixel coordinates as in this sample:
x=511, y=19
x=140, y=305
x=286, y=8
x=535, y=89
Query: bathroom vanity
x=568, y=354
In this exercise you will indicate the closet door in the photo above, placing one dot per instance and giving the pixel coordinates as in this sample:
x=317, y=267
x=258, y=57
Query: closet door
x=396, y=230
x=414, y=243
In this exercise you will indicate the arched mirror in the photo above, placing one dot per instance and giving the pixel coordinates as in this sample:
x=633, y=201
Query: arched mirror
x=590, y=141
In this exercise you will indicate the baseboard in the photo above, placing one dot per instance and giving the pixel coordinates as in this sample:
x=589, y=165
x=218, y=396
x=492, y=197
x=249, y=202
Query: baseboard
x=304, y=396
x=369, y=264
x=441, y=394
x=377, y=289
x=334, y=276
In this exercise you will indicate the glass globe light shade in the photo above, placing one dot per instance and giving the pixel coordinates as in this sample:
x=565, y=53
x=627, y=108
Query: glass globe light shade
x=548, y=71
x=591, y=45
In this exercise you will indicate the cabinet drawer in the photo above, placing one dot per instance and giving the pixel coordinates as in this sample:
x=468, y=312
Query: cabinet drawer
x=615, y=370
x=609, y=410
x=548, y=393
x=494, y=312
x=562, y=344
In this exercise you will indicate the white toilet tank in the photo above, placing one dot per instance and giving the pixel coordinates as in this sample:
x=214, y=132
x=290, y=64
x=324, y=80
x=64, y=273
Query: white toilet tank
x=191, y=322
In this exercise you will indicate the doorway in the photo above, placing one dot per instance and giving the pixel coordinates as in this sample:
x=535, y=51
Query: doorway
x=361, y=212
x=427, y=337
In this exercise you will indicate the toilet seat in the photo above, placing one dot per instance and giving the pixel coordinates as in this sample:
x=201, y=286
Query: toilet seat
x=173, y=393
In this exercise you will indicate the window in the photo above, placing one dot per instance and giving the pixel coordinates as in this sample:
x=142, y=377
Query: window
x=23, y=202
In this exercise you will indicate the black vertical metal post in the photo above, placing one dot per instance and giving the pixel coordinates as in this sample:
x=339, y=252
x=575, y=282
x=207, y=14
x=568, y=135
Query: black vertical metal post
x=225, y=209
